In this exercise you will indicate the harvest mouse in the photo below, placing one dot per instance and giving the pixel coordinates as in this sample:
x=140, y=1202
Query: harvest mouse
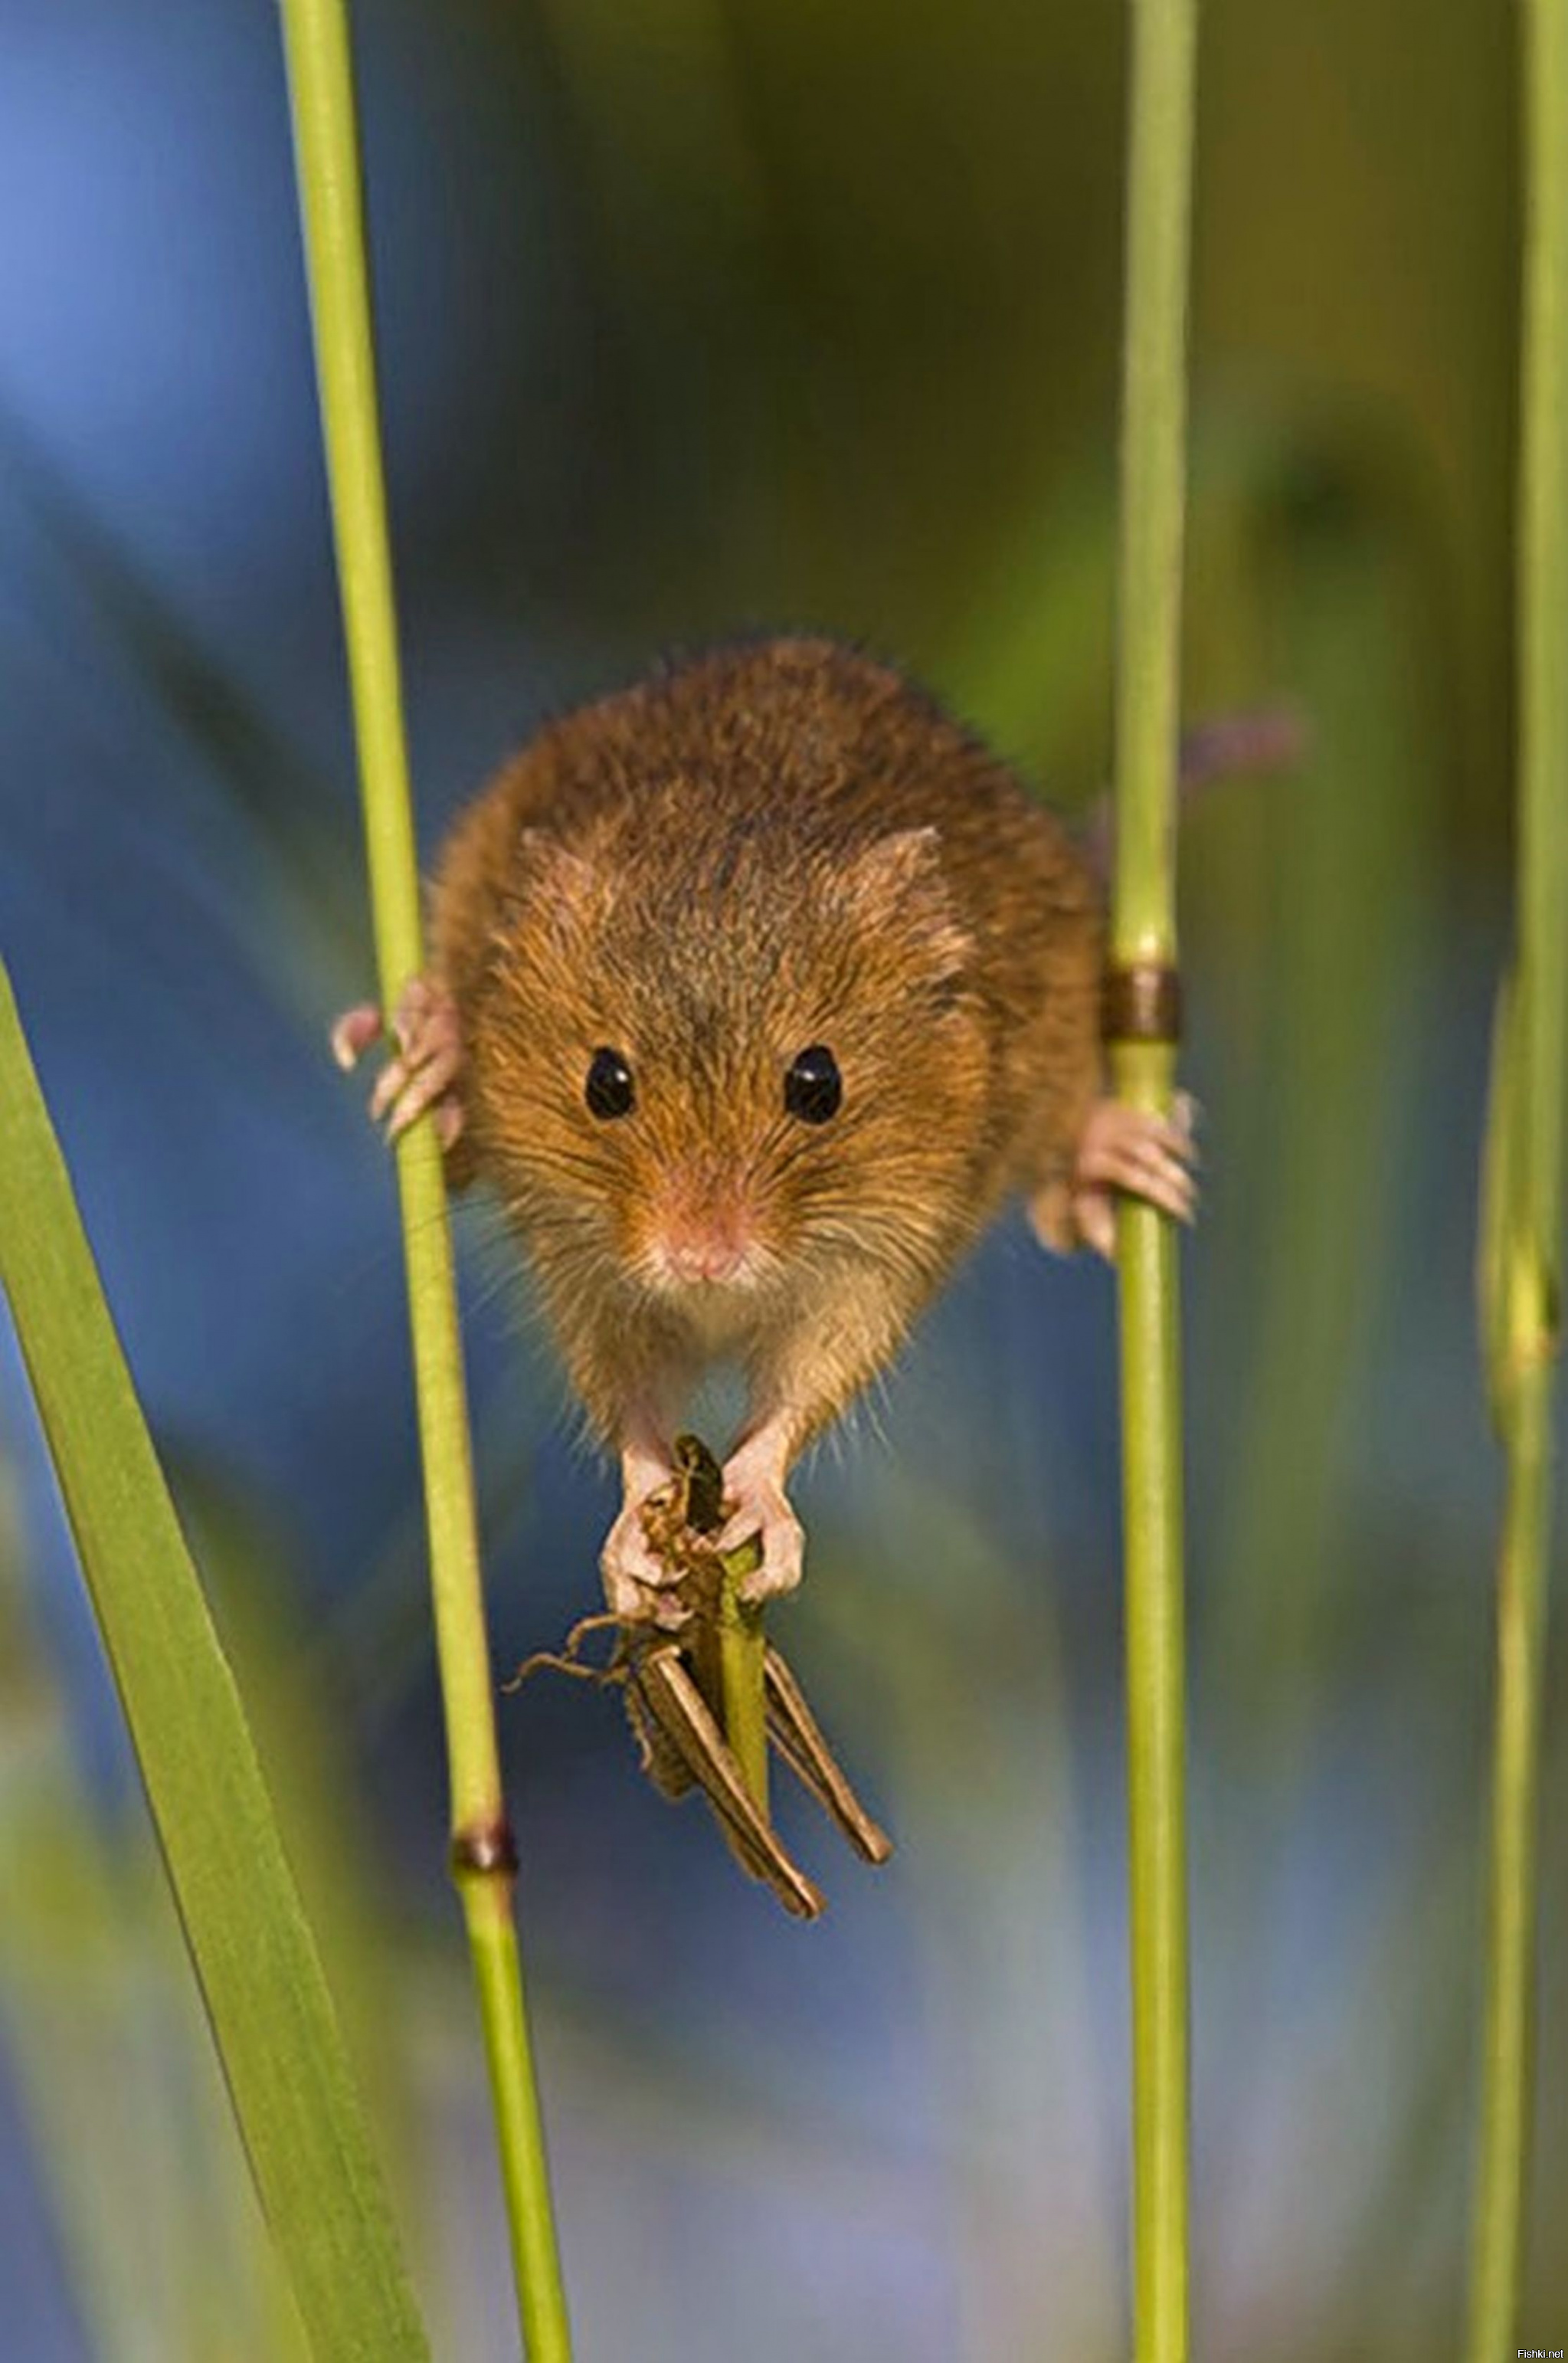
x=754, y=992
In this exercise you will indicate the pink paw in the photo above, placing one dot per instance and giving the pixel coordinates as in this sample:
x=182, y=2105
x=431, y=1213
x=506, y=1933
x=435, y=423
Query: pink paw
x=639, y=1586
x=761, y=1510
x=1125, y=1151
x=425, y=1071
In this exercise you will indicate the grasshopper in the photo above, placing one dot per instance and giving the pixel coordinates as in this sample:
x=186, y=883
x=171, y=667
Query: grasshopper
x=671, y=1685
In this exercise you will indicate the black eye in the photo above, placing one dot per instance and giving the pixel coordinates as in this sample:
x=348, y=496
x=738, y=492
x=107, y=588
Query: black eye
x=814, y=1088
x=609, y=1090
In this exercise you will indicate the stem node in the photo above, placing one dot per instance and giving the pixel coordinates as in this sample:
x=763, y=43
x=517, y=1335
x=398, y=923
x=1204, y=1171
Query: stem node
x=485, y=1851
x=1142, y=1002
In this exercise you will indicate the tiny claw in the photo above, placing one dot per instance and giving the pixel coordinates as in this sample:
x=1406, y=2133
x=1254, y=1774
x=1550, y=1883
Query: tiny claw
x=390, y=1086
x=1127, y=1151
x=353, y=1034
x=424, y=1073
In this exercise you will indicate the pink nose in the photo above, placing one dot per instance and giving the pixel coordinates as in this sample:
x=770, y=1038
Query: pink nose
x=700, y=1238
x=704, y=1255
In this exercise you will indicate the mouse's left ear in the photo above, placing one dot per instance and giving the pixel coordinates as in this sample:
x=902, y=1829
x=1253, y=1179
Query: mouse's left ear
x=900, y=877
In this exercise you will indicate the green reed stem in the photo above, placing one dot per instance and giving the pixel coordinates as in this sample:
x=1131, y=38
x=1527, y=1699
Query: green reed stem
x=1143, y=942
x=1521, y=1250
x=739, y=1672
x=742, y=1648
x=1154, y=1609
x=321, y=88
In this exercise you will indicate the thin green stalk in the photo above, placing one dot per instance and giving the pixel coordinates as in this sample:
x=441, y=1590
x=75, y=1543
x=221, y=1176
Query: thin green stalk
x=742, y=1648
x=1504, y=2141
x=742, y=1643
x=1154, y=1611
x=1522, y=1246
x=326, y=149
x=1142, y=1054
x=1152, y=496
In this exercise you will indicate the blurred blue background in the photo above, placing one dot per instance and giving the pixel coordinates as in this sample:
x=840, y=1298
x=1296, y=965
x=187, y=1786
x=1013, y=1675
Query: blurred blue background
x=697, y=315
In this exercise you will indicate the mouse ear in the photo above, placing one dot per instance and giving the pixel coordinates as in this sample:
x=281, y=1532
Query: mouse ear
x=903, y=873
x=555, y=877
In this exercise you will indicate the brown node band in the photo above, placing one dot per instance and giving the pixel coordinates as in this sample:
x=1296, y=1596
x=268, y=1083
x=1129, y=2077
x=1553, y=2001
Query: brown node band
x=1141, y=1003
x=489, y=1849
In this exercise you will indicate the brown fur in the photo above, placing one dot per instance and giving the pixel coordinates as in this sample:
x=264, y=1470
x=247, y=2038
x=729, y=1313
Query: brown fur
x=768, y=847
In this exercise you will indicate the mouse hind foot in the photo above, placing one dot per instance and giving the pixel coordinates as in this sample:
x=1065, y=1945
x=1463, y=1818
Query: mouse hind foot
x=1121, y=1150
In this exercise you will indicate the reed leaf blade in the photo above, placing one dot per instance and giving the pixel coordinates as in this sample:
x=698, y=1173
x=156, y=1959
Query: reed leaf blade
x=266, y=1996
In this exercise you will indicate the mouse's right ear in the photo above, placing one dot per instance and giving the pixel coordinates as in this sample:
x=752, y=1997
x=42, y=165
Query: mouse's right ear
x=903, y=873
x=556, y=879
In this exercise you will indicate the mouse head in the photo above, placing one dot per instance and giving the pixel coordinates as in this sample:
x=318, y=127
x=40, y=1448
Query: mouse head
x=712, y=1080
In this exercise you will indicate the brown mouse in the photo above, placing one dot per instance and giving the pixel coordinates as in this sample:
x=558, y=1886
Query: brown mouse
x=755, y=991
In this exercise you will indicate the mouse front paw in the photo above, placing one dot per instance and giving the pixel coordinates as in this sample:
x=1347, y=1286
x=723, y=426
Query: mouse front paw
x=426, y=1067
x=1126, y=1150
x=639, y=1586
x=759, y=1510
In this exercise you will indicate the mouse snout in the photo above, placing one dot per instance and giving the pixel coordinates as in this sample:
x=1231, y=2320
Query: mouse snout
x=703, y=1256
x=702, y=1236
